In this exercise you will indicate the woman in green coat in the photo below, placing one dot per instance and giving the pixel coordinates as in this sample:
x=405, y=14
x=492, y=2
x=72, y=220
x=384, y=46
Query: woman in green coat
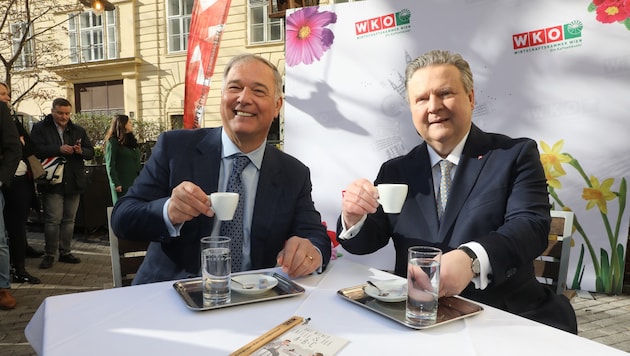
x=122, y=156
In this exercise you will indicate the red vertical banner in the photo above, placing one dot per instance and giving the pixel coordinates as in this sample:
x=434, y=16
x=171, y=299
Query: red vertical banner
x=206, y=27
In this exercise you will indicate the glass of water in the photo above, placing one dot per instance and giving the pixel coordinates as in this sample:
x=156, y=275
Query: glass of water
x=423, y=282
x=216, y=268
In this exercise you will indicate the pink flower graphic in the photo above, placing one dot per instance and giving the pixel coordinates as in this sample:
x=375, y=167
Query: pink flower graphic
x=307, y=37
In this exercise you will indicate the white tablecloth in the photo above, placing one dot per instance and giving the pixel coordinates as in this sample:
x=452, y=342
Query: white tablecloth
x=153, y=320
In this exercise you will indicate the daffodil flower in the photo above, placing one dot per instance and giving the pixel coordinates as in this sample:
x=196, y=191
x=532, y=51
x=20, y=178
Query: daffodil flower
x=552, y=158
x=598, y=194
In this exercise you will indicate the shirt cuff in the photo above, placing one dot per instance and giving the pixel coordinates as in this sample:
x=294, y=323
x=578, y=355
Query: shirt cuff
x=482, y=281
x=173, y=230
x=347, y=234
x=320, y=269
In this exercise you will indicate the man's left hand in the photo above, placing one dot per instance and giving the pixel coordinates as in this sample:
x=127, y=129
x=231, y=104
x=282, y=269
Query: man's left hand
x=455, y=273
x=299, y=257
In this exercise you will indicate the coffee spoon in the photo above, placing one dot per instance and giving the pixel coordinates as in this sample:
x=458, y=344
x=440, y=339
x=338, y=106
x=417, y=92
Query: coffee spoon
x=244, y=285
x=381, y=292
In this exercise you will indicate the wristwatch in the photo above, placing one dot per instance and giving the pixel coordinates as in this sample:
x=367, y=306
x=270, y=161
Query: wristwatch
x=475, y=264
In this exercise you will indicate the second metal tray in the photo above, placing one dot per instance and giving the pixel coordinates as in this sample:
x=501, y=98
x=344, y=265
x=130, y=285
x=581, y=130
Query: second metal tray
x=190, y=291
x=449, y=308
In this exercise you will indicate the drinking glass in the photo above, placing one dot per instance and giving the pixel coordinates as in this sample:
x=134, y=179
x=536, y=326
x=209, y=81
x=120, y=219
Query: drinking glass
x=423, y=285
x=216, y=268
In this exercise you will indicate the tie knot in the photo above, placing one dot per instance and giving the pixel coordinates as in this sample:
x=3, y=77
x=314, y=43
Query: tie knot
x=240, y=162
x=445, y=167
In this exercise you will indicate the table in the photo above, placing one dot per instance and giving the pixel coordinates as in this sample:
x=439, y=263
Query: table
x=152, y=319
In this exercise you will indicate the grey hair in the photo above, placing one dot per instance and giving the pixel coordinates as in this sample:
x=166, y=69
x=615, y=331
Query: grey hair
x=248, y=57
x=436, y=57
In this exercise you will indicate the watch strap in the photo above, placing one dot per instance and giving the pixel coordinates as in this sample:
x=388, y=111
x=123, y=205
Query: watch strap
x=474, y=260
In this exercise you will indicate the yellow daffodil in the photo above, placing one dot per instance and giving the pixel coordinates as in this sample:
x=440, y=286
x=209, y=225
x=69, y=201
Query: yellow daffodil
x=552, y=178
x=552, y=159
x=598, y=194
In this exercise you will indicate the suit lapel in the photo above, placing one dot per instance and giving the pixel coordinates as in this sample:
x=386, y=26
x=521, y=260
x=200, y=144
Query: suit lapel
x=207, y=164
x=474, y=156
x=267, y=193
x=422, y=188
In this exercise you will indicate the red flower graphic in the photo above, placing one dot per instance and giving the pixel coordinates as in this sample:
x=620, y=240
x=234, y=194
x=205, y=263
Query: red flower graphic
x=611, y=11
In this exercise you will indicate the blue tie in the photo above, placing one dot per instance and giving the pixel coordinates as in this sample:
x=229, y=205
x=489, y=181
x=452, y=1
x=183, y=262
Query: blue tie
x=234, y=228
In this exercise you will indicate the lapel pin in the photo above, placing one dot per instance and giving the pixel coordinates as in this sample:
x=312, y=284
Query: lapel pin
x=479, y=157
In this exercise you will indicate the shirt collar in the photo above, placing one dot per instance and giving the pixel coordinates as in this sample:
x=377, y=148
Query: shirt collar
x=453, y=157
x=230, y=149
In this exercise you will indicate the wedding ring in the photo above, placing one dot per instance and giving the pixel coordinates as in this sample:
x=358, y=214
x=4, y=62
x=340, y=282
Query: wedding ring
x=310, y=257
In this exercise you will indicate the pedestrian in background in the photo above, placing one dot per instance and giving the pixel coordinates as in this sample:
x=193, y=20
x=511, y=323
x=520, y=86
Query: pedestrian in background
x=10, y=153
x=18, y=200
x=5, y=96
x=122, y=156
x=54, y=136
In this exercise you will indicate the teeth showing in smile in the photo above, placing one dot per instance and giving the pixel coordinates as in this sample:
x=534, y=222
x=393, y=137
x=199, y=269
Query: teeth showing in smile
x=242, y=113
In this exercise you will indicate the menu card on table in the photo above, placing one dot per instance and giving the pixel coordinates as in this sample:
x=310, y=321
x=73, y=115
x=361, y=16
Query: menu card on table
x=293, y=338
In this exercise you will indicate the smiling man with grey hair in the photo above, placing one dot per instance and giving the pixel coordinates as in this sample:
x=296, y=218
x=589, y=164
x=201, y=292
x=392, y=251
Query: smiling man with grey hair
x=168, y=203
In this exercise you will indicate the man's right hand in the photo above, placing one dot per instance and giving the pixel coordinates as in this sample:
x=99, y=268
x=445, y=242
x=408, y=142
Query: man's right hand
x=187, y=202
x=359, y=199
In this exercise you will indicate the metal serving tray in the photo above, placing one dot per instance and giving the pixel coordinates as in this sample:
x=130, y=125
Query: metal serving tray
x=449, y=308
x=190, y=291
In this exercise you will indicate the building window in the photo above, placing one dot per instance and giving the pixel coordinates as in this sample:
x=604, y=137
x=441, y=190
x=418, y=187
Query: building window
x=263, y=29
x=93, y=37
x=25, y=57
x=100, y=98
x=177, y=122
x=179, y=14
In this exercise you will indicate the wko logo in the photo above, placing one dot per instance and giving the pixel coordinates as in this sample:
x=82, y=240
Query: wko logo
x=385, y=22
x=547, y=35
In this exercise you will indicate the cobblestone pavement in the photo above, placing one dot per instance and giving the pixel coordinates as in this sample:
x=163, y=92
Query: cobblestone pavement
x=602, y=318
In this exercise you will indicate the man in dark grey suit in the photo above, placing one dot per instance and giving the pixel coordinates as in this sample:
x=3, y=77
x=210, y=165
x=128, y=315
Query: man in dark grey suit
x=168, y=202
x=496, y=219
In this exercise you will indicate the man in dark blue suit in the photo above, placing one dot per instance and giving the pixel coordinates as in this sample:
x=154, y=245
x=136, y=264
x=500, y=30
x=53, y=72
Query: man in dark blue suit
x=168, y=203
x=496, y=220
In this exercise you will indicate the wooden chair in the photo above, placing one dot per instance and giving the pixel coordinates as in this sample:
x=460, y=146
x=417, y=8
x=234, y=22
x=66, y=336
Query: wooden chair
x=553, y=265
x=126, y=255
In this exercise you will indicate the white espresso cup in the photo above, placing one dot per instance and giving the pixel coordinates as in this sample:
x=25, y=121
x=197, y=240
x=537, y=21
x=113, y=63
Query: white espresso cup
x=224, y=204
x=392, y=197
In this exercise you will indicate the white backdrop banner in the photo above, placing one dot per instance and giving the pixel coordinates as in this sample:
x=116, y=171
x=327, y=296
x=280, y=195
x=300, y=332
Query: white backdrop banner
x=555, y=71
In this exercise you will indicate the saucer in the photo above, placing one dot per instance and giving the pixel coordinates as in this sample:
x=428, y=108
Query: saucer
x=397, y=289
x=262, y=283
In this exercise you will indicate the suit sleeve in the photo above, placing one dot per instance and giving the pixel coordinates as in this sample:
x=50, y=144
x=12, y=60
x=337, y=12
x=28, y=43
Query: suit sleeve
x=308, y=221
x=145, y=200
x=376, y=230
x=524, y=233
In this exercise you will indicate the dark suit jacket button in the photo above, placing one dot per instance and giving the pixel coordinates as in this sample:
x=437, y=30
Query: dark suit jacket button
x=509, y=273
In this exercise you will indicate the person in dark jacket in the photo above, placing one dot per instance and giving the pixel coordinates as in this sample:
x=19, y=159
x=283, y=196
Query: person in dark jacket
x=10, y=153
x=54, y=136
x=18, y=199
